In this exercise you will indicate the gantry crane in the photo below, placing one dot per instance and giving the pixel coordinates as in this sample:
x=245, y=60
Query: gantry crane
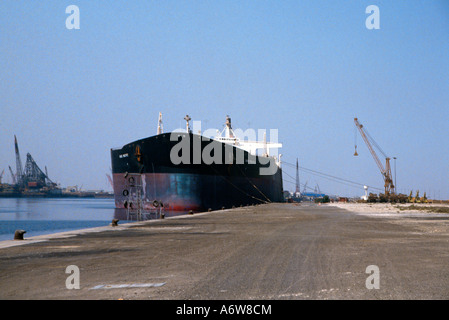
x=386, y=172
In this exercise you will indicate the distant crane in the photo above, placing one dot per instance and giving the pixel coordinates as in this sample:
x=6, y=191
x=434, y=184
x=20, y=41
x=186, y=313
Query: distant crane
x=317, y=189
x=13, y=176
x=110, y=180
x=19, y=170
x=386, y=172
x=33, y=176
x=1, y=176
x=304, y=189
x=30, y=176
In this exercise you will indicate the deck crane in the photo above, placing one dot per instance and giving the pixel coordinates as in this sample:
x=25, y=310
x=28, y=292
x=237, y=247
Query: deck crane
x=386, y=172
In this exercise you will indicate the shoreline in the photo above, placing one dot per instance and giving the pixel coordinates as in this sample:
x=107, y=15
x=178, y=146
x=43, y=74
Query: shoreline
x=77, y=232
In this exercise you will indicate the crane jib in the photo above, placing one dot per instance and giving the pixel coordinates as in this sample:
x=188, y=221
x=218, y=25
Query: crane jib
x=386, y=172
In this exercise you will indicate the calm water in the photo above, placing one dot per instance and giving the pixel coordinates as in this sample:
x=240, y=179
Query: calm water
x=44, y=216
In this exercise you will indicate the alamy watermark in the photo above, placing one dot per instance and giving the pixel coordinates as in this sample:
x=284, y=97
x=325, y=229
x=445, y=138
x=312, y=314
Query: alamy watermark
x=73, y=20
x=204, y=150
x=72, y=281
x=373, y=20
x=373, y=280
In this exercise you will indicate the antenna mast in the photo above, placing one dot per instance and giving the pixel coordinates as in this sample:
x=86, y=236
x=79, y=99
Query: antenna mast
x=297, y=177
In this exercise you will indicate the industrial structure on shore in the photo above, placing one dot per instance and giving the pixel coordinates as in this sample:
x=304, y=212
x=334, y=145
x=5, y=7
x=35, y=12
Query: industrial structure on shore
x=31, y=181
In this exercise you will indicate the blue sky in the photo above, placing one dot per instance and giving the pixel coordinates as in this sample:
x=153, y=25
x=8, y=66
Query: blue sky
x=306, y=68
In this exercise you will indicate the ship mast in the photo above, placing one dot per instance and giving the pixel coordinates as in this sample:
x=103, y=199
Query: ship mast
x=229, y=133
x=159, y=124
x=265, y=146
x=187, y=119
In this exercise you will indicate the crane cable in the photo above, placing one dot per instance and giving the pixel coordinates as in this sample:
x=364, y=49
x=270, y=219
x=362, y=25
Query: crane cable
x=375, y=143
x=328, y=176
x=295, y=182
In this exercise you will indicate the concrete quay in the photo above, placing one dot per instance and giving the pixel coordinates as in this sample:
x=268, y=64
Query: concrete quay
x=265, y=252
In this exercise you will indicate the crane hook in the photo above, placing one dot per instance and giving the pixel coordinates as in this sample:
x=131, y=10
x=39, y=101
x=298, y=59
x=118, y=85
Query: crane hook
x=355, y=152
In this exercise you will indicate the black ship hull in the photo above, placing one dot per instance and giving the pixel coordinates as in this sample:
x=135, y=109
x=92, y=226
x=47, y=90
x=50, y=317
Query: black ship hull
x=190, y=172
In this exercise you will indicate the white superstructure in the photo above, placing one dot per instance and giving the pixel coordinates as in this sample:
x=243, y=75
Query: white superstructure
x=228, y=136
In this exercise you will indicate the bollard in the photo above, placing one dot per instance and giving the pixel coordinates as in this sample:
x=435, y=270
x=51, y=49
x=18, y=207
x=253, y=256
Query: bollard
x=114, y=222
x=222, y=208
x=209, y=209
x=190, y=211
x=162, y=215
x=18, y=235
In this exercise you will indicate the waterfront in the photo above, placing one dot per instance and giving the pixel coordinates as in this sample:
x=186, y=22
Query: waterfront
x=39, y=216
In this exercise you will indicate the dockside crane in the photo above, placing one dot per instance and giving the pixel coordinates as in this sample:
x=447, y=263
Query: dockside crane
x=13, y=176
x=110, y=181
x=386, y=172
x=33, y=176
x=19, y=169
x=304, y=189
